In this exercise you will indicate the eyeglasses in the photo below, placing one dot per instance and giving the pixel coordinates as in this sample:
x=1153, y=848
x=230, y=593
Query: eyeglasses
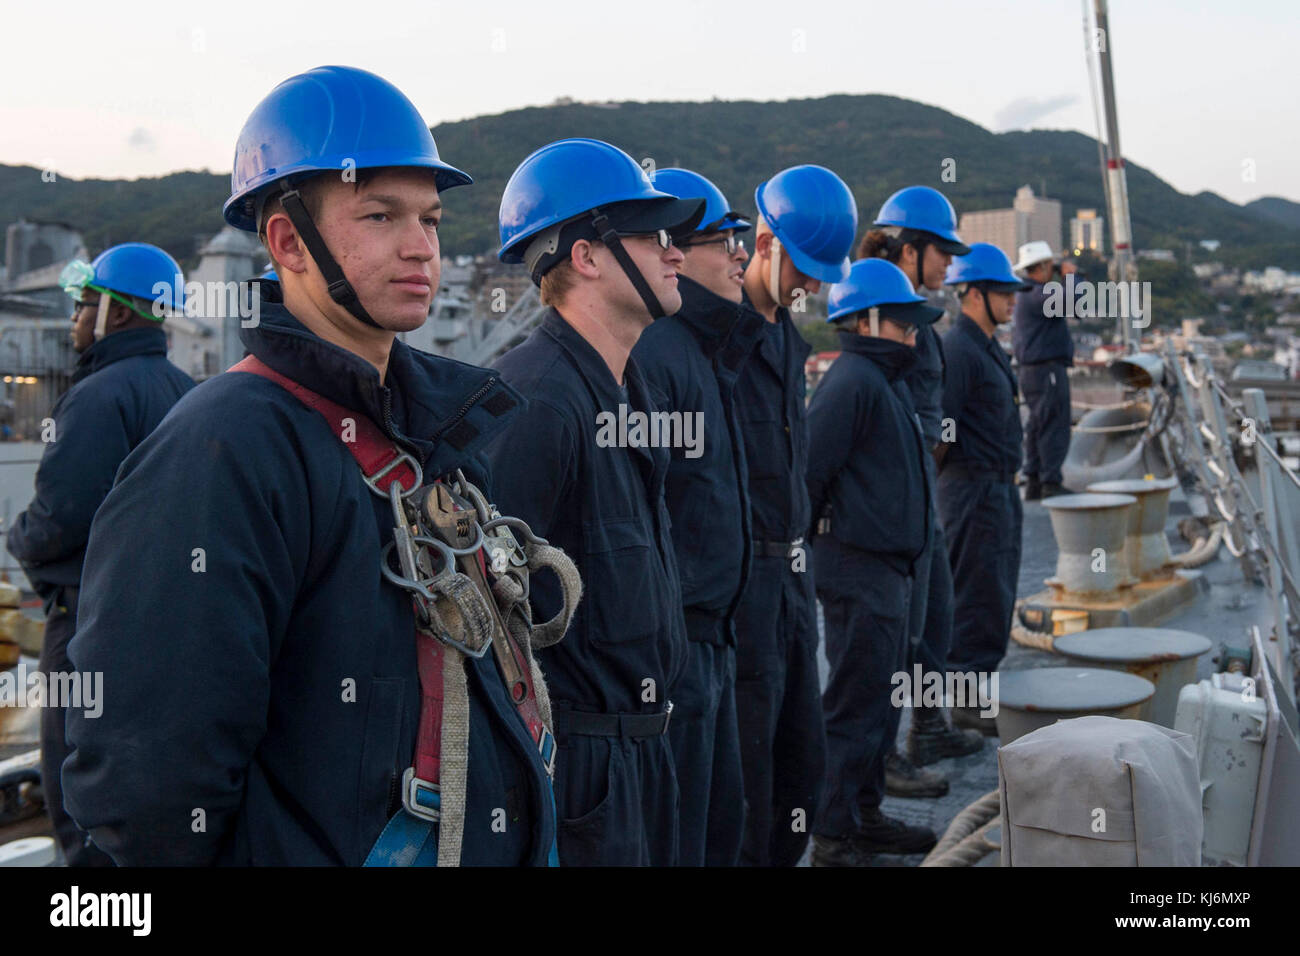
x=79, y=304
x=660, y=236
x=908, y=328
x=730, y=243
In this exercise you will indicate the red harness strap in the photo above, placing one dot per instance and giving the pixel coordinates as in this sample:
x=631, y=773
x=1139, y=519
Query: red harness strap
x=375, y=452
x=369, y=446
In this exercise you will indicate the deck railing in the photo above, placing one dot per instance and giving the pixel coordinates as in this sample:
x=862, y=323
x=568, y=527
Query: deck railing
x=1260, y=532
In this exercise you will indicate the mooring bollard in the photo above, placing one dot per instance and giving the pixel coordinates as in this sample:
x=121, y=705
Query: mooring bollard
x=1090, y=531
x=1146, y=548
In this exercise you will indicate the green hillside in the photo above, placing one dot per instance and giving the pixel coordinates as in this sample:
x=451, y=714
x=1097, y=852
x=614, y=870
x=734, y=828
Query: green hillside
x=1277, y=210
x=877, y=143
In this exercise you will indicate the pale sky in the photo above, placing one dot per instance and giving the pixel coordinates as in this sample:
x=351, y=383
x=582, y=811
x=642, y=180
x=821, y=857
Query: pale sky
x=1206, y=91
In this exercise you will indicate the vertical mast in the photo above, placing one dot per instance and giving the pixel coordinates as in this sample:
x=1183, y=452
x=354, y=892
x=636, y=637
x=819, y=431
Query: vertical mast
x=1117, y=192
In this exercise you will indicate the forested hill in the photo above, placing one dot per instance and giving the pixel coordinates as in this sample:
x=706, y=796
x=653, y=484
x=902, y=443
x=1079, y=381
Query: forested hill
x=876, y=143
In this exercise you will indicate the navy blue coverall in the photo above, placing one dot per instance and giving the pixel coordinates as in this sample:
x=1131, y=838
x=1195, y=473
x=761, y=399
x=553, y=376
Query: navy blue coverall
x=122, y=387
x=612, y=677
x=1044, y=351
x=978, y=500
x=930, y=628
x=260, y=677
x=694, y=358
x=870, y=492
x=778, y=691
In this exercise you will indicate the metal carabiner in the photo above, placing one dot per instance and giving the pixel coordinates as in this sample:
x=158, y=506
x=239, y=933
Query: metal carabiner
x=519, y=523
x=373, y=480
x=412, y=582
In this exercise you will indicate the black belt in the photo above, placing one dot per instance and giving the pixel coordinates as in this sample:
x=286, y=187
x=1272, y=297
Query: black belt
x=975, y=473
x=582, y=724
x=776, y=549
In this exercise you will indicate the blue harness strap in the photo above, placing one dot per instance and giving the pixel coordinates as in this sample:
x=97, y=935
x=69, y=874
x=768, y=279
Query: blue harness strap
x=406, y=841
x=409, y=841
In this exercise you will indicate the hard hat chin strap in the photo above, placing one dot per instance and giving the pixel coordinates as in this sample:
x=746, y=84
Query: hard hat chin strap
x=340, y=289
x=610, y=238
x=101, y=315
x=919, y=245
x=774, y=271
x=988, y=309
x=873, y=317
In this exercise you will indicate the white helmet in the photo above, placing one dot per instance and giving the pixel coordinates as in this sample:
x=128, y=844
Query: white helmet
x=1032, y=253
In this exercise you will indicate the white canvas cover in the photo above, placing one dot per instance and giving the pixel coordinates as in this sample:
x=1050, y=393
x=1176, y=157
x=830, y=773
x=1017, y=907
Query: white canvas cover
x=1100, y=791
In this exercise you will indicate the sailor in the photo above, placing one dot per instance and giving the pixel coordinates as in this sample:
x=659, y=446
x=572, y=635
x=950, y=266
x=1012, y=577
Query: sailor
x=305, y=672
x=694, y=358
x=122, y=387
x=598, y=239
x=1044, y=351
x=916, y=229
x=978, y=503
x=870, y=494
x=804, y=235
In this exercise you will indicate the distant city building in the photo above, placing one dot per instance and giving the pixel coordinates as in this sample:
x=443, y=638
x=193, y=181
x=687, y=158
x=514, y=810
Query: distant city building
x=1088, y=232
x=1288, y=356
x=1272, y=279
x=1207, y=270
x=36, y=356
x=1043, y=217
x=205, y=340
x=1003, y=228
x=1157, y=255
x=1256, y=370
x=1225, y=282
x=35, y=254
x=449, y=319
x=1210, y=245
x=1030, y=218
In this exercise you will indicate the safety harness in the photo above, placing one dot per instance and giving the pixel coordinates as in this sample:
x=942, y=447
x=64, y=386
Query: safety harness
x=468, y=578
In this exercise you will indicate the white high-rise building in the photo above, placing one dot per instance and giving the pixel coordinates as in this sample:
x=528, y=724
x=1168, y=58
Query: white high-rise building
x=1088, y=232
x=1030, y=218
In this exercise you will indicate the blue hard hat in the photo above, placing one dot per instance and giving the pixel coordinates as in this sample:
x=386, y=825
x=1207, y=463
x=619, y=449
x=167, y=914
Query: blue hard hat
x=134, y=269
x=879, y=283
x=332, y=118
x=923, y=209
x=985, y=263
x=718, y=214
x=812, y=212
x=566, y=178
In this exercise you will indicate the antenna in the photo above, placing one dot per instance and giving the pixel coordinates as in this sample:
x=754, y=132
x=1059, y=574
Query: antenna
x=1117, y=182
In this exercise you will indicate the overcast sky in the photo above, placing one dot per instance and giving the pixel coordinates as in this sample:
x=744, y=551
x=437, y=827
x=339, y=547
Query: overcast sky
x=1207, y=91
